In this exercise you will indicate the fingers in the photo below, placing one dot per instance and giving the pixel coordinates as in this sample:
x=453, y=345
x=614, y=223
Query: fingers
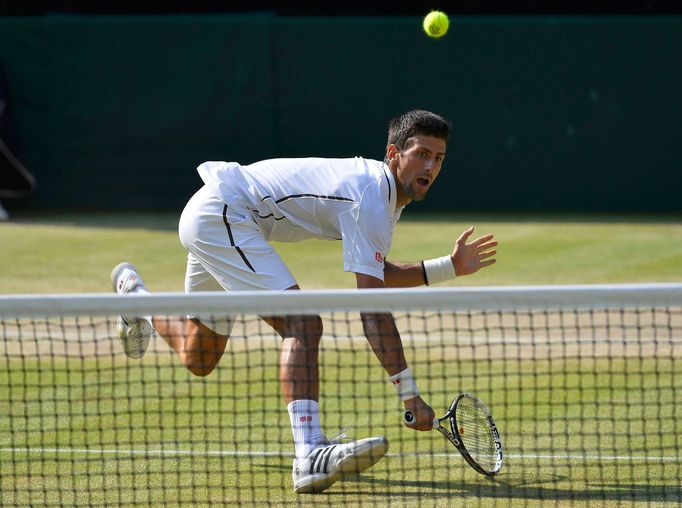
x=465, y=235
x=418, y=415
x=486, y=255
x=471, y=257
x=410, y=420
x=483, y=241
x=422, y=426
x=488, y=262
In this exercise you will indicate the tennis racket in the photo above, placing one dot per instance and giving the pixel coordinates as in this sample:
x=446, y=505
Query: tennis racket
x=473, y=432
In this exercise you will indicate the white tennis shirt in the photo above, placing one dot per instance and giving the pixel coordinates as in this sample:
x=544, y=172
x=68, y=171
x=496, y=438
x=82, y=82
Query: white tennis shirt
x=352, y=200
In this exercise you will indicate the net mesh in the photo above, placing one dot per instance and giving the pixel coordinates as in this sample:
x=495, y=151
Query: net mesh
x=584, y=390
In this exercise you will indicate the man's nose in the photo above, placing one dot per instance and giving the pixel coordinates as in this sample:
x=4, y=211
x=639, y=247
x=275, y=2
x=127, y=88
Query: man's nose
x=431, y=165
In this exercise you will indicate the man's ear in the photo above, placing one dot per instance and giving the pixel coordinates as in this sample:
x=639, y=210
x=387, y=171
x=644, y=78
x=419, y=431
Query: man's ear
x=391, y=151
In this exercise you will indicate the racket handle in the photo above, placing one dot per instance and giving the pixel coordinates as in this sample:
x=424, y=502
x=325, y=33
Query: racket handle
x=408, y=419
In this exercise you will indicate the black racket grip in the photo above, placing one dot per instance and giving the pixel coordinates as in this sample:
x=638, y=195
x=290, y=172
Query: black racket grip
x=409, y=419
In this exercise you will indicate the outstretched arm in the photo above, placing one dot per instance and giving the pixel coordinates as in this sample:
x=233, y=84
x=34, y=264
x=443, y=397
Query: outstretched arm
x=466, y=258
x=384, y=338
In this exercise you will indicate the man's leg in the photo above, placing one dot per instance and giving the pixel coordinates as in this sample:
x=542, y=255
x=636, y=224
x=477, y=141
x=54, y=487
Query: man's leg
x=299, y=377
x=318, y=463
x=298, y=367
x=198, y=347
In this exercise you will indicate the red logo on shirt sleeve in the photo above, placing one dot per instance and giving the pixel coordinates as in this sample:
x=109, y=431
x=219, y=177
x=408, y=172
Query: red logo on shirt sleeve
x=379, y=257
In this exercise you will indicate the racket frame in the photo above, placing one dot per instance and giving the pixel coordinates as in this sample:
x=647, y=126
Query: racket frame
x=455, y=437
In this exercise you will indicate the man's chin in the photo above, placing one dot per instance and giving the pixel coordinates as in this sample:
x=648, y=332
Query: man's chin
x=419, y=196
x=416, y=195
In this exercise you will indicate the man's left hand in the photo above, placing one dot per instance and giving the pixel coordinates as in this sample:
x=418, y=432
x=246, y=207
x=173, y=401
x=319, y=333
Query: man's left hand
x=469, y=258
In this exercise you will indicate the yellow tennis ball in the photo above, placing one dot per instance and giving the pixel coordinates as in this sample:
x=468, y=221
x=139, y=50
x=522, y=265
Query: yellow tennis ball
x=436, y=24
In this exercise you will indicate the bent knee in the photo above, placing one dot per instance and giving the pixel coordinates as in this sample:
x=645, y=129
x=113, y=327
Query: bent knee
x=200, y=365
x=305, y=328
x=203, y=349
x=200, y=370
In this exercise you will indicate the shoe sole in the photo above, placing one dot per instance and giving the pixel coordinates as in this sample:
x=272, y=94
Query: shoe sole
x=136, y=347
x=349, y=466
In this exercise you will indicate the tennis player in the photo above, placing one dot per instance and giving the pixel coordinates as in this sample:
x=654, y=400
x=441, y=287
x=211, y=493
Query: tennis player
x=226, y=227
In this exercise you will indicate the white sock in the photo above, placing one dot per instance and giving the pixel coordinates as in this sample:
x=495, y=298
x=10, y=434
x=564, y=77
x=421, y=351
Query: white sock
x=141, y=290
x=305, y=425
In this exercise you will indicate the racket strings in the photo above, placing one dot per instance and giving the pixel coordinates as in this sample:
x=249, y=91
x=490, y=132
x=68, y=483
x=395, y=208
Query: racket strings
x=475, y=433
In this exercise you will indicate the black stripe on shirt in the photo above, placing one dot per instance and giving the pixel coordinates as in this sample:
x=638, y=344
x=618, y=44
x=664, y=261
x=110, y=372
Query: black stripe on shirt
x=388, y=182
x=319, y=196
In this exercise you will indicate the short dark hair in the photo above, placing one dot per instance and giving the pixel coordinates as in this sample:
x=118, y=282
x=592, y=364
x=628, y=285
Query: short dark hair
x=415, y=122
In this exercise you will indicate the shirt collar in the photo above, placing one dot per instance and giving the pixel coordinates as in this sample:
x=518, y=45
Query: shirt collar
x=392, y=189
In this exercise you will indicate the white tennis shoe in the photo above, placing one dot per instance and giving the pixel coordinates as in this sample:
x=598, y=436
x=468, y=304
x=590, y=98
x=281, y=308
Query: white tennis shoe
x=332, y=461
x=133, y=332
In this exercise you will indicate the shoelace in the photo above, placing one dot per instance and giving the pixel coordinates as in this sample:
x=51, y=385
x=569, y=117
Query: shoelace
x=339, y=437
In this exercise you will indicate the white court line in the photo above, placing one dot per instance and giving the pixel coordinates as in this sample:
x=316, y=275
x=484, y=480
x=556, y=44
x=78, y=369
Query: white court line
x=262, y=453
x=634, y=458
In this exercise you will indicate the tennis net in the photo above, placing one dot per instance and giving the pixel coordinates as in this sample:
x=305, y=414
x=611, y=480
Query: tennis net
x=582, y=381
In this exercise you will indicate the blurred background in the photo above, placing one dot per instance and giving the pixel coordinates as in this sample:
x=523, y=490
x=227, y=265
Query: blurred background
x=555, y=106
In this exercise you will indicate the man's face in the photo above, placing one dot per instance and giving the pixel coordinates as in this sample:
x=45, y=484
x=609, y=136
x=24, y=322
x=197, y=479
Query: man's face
x=417, y=166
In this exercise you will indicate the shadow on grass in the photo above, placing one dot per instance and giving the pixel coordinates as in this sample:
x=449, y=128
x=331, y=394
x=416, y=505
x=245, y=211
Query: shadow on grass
x=541, y=489
x=544, y=488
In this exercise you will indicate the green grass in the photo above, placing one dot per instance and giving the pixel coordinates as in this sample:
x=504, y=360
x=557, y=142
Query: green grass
x=69, y=253
x=157, y=436
x=181, y=430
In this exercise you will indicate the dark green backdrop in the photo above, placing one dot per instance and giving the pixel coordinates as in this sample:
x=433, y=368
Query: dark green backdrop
x=549, y=113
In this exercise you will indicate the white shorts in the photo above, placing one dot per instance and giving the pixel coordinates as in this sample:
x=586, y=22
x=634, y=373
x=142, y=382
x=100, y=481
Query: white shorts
x=227, y=250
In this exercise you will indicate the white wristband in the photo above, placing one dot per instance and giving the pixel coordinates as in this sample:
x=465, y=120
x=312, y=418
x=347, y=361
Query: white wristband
x=438, y=270
x=405, y=385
